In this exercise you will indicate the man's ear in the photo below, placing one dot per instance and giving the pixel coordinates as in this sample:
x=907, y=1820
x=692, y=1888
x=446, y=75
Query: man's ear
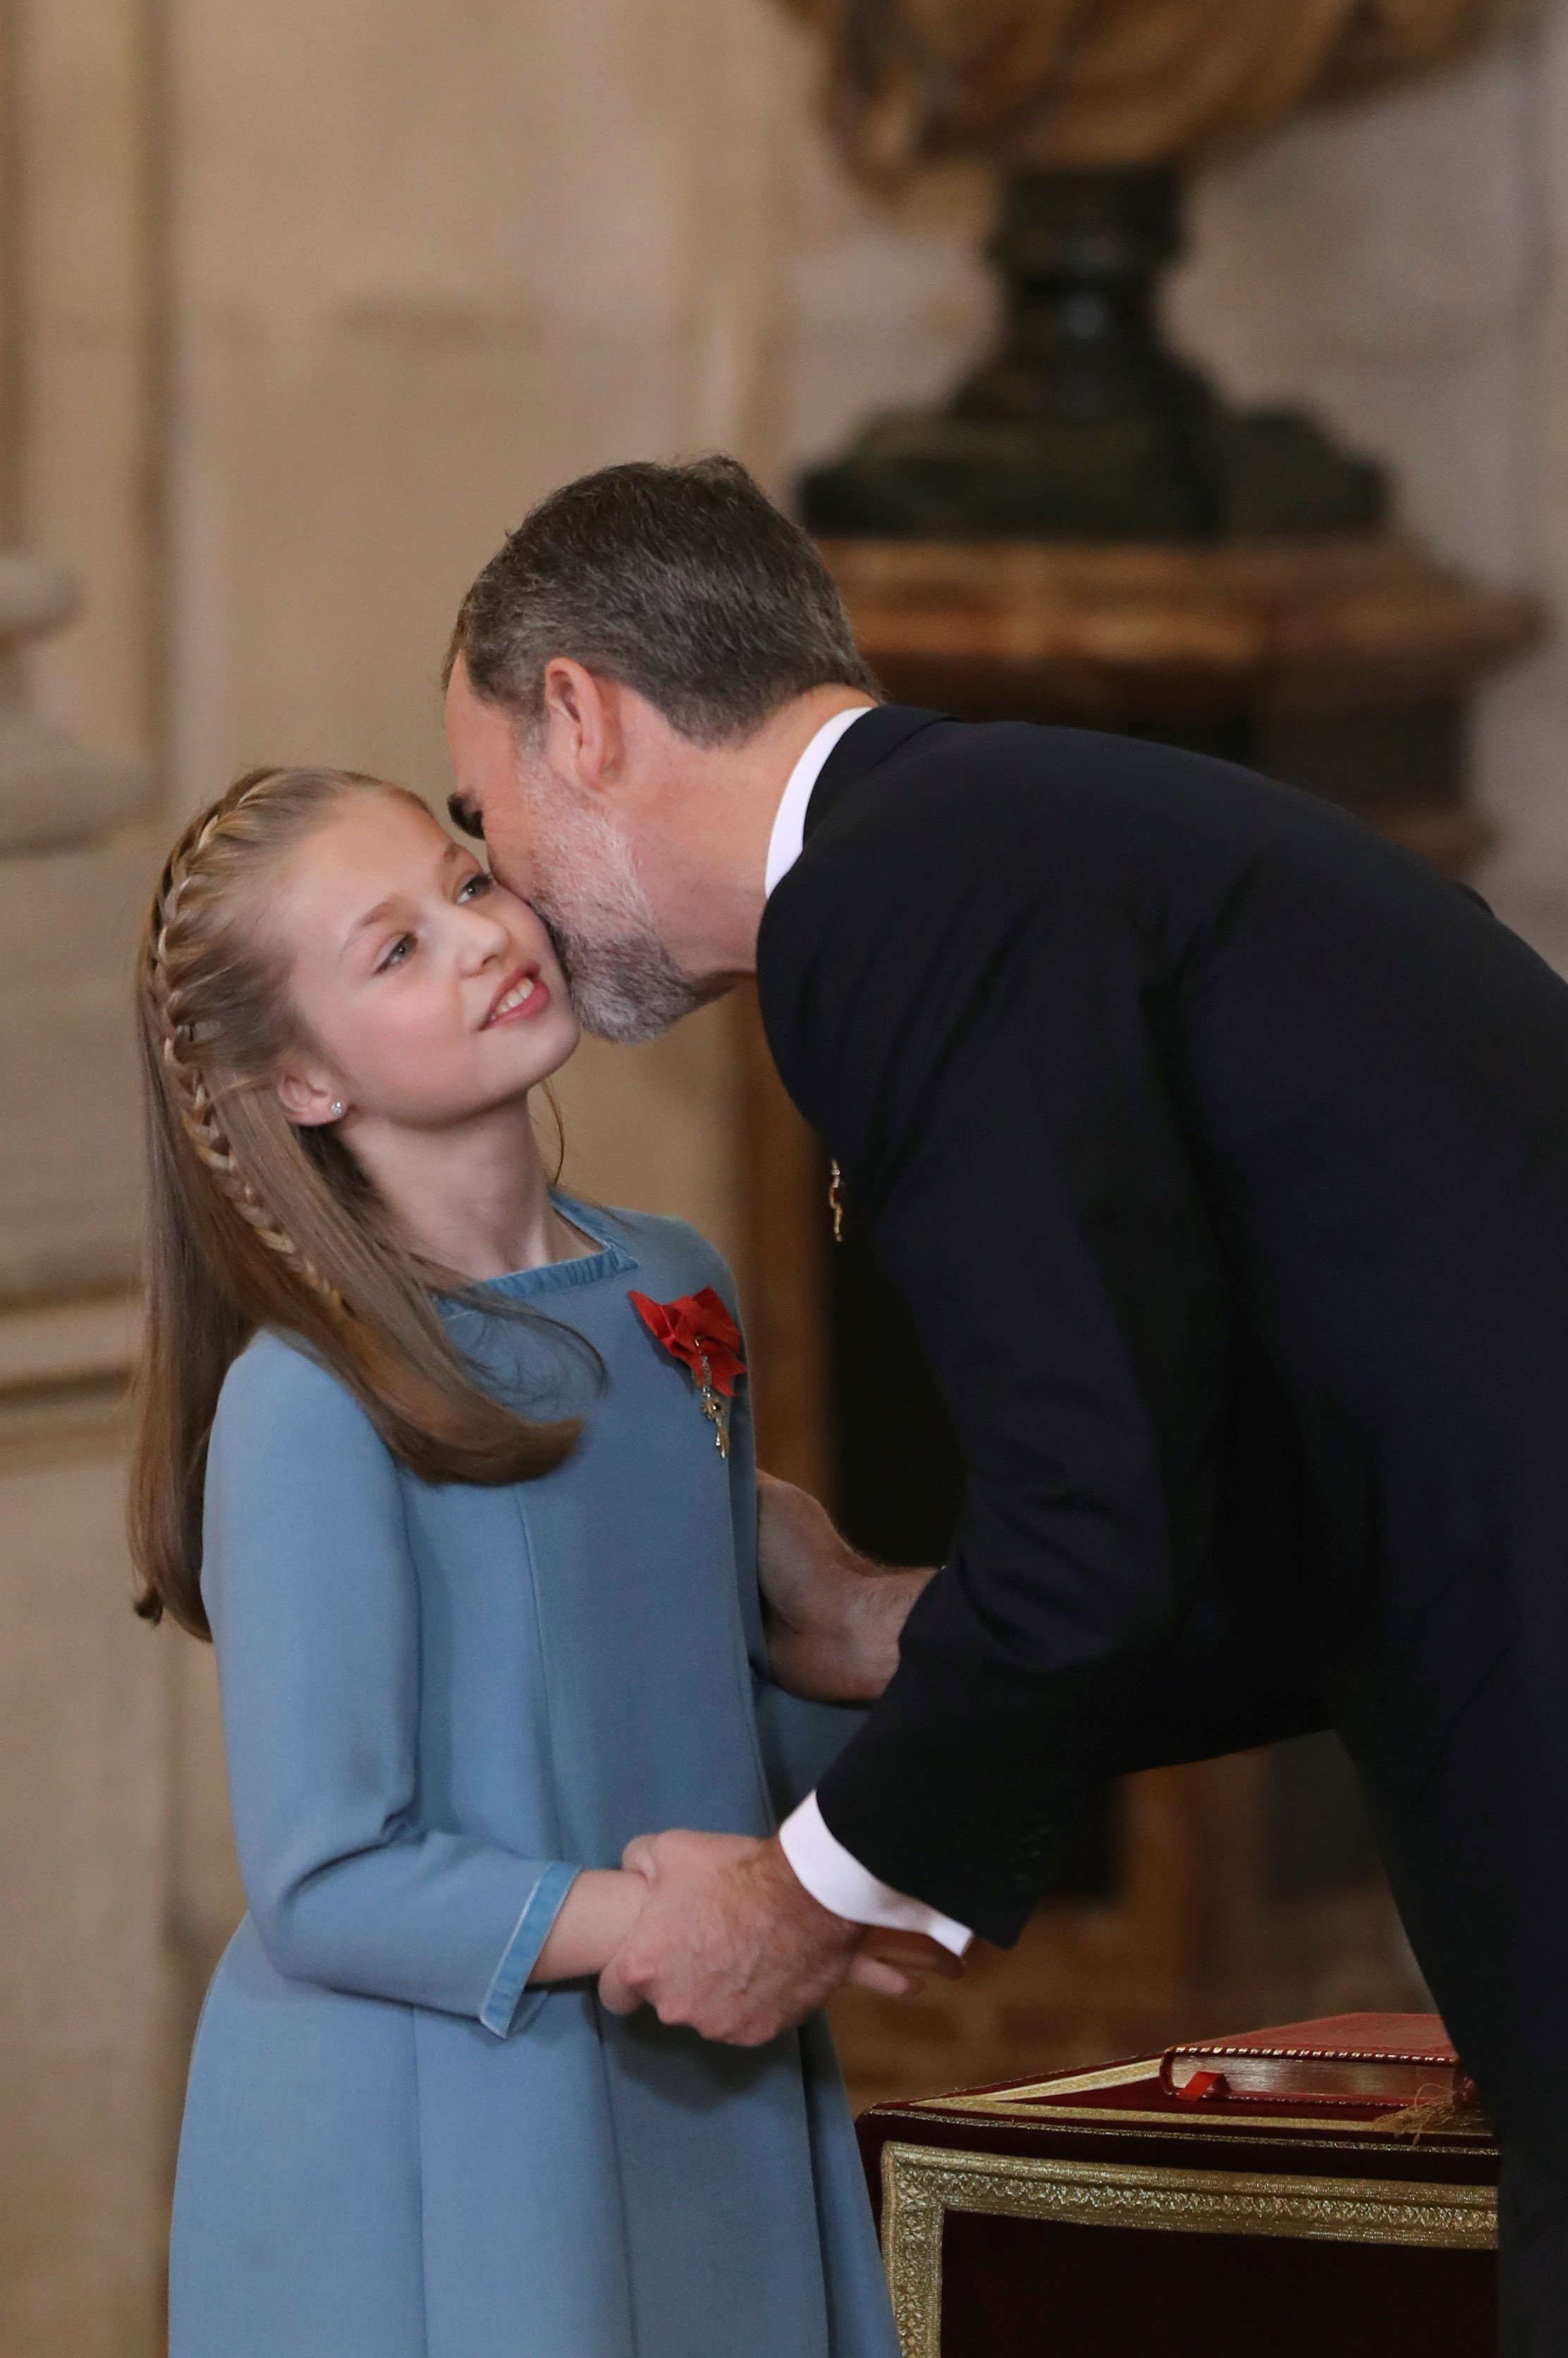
x=582, y=723
x=309, y=1097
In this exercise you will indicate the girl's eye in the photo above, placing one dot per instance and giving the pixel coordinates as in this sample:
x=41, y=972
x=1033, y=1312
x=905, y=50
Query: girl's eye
x=472, y=886
x=397, y=954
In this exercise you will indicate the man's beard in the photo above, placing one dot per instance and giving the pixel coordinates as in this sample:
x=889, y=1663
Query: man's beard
x=622, y=980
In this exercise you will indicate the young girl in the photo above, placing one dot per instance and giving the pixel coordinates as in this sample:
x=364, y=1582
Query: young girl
x=415, y=1449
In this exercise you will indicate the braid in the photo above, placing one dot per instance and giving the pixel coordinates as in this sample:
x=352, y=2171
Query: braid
x=198, y=1113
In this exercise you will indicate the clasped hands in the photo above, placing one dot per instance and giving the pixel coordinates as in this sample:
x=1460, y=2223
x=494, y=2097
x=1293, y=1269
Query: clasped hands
x=728, y=1939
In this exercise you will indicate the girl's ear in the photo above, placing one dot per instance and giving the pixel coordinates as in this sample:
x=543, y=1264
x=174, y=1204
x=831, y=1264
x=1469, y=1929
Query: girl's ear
x=311, y=1097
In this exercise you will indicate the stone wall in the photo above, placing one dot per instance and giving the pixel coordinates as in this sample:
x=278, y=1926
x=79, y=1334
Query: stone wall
x=301, y=302
x=1402, y=268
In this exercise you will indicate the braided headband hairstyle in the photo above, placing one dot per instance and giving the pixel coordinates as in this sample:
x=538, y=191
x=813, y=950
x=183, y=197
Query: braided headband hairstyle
x=251, y=1222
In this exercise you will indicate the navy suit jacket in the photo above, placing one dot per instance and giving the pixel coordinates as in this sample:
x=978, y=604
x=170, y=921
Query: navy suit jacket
x=1220, y=1150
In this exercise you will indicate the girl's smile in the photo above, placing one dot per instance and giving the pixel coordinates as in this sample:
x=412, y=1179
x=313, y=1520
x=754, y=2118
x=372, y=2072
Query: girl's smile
x=526, y=995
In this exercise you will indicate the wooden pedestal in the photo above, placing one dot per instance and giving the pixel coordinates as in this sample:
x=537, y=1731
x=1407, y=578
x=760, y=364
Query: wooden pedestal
x=1342, y=666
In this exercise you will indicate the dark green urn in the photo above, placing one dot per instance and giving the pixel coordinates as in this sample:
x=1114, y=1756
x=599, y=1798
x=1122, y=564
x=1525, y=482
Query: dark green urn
x=1085, y=424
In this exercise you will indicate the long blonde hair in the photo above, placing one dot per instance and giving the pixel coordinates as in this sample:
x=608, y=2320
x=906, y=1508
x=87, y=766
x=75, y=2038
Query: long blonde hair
x=251, y=1222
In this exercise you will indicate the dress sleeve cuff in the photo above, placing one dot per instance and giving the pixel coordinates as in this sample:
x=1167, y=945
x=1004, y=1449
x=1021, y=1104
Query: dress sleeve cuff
x=501, y=2014
x=837, y=1882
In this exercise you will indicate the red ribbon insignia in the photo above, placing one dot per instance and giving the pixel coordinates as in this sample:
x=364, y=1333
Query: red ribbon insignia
x=699, y=1331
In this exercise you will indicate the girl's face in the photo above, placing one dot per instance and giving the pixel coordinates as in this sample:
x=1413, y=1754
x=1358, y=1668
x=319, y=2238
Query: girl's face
x=428, y=993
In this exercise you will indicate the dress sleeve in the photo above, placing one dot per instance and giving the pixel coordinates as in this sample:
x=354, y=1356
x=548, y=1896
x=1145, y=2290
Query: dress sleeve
x=311, y=1587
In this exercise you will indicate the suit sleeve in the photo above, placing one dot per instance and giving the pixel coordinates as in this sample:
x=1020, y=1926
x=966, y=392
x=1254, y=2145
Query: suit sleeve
x=978, y=1048
x=311, y=1587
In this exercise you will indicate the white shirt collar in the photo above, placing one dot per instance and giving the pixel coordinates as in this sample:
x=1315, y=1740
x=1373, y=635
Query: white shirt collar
x=788, y=837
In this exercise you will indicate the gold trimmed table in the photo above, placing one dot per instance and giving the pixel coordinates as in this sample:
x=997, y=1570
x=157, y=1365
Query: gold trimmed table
x=1096, y=2213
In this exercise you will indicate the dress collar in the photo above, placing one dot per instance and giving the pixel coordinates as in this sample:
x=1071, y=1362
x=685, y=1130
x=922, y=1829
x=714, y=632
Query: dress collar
x=611, y=1259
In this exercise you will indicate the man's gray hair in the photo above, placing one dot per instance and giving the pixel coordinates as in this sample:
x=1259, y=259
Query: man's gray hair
x=683, y=583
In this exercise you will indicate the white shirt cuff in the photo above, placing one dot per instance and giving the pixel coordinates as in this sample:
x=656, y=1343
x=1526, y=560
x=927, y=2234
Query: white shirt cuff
x=840, y=1884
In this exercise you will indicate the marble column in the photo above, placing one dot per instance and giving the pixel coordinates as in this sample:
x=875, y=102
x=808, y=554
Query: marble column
x=89, y=1990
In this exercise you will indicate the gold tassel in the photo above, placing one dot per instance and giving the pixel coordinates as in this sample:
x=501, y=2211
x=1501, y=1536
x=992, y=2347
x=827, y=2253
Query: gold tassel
x=1447, y=2116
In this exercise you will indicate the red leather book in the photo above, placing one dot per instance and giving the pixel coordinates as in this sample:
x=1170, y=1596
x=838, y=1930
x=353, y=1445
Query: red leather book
x=1345, y=2058
x=1094, y=2212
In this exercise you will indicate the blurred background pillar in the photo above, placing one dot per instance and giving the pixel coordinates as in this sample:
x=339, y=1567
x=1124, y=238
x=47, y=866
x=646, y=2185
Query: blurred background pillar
x=88, y=1989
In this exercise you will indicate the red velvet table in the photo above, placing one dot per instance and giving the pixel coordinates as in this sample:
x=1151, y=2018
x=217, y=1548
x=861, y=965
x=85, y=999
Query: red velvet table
x=1095, y=2213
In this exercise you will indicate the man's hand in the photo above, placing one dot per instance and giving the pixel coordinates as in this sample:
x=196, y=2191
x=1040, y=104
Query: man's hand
x=730, y=1942
x=833, y=1616
x=898, y=1964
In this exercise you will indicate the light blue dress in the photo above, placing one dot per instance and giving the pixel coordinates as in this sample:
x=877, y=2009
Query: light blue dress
x=439, y=1702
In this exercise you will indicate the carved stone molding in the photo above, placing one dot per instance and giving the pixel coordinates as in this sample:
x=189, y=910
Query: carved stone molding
x=73, y=869
x=55, y=793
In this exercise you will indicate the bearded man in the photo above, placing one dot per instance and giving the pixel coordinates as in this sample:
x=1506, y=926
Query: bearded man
x=1219, y=1150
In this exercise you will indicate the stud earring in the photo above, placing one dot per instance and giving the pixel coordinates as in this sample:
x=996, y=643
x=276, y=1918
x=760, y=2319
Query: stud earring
x=337, y=1108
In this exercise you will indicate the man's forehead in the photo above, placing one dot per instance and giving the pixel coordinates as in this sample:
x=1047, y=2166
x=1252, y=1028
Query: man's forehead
x=465, y=711
x=480, y=733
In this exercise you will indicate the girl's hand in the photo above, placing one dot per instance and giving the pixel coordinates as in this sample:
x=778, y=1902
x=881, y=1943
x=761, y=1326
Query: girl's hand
x=833, y=1616
x=596, y=1916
